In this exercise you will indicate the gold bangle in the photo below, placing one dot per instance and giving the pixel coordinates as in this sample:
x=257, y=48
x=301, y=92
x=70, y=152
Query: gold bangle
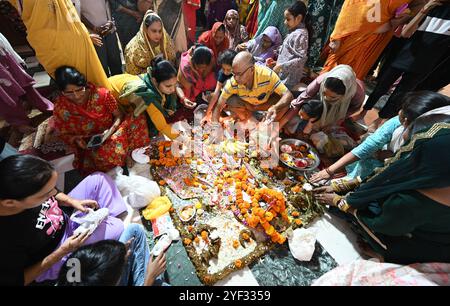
x=336, y=200
x=343, y=205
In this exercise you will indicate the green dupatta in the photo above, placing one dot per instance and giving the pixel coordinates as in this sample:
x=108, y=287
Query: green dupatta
x=422, y=163
x=142, y=93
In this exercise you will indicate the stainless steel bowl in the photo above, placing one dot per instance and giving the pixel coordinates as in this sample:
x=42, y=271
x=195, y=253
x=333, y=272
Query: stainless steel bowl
x=297, y=142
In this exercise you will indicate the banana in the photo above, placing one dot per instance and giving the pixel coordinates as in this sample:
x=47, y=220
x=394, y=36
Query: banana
x=230, y=146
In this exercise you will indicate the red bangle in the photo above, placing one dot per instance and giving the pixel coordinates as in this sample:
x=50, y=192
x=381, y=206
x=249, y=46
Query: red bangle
x=331, y=174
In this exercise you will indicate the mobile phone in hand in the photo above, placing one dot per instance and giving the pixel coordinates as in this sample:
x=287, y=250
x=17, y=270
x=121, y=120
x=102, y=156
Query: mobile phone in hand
x=95, y=141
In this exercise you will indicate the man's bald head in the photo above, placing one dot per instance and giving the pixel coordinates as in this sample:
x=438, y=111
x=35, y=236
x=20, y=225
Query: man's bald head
x=243, y=59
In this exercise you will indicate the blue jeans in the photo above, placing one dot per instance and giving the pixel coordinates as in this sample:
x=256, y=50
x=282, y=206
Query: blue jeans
x=136, y=268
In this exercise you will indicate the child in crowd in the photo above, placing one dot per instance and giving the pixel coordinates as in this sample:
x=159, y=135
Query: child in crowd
x=309, y=113
x=225, y=61
x=294, y=51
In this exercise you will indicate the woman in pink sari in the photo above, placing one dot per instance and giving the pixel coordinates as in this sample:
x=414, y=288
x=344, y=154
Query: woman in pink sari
x=196, y=75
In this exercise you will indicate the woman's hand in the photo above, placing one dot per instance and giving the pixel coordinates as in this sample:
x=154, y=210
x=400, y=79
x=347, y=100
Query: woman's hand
x=206, y=120
x=106, y=29
x=155, y=268
x=188, y=103
x=320, y=176
x=96, y=40
x=334, y=45
x=73, y=243
x=326, y=198
x=82, y=205
x=323, y=189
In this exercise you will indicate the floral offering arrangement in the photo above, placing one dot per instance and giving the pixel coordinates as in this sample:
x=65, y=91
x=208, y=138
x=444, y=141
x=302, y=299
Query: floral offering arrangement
x=228, y=210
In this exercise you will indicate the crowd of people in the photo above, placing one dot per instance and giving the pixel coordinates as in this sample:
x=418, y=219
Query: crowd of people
x=126, y=71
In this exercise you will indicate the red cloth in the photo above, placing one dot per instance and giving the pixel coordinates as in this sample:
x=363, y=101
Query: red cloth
x=190, y=17
x=94, y=117
x=207, y=39
x=199, y=84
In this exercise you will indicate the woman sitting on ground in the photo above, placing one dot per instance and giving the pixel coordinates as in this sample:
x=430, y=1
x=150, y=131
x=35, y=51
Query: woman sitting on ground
x=116, y=263
x=363, y=159
x=84, y=110
x=196, y=75
x=340, y=91
x=403, y=209
x=35, y=234
x=263, y=46
x=215, y=39
x=152, y=94
x=151, y=41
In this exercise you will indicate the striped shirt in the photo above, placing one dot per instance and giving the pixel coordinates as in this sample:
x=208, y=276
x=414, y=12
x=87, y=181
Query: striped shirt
x=430, y=44
x=265, y=83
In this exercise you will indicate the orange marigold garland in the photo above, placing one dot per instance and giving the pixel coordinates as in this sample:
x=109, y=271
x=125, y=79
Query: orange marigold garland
x=253, y=214
x=165, y=156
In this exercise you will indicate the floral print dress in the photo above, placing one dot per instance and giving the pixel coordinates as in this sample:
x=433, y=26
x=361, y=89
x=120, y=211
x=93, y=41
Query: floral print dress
x=94, y=117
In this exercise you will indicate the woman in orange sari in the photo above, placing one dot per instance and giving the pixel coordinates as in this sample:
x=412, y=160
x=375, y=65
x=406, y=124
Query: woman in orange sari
x=84, y=110
x=362, y=31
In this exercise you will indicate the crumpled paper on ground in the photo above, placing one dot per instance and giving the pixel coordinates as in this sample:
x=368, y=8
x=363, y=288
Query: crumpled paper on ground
x=302, y=243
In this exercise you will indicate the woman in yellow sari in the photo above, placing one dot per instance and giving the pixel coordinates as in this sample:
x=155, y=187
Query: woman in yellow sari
x=362, y=31
x=58, y=36
x=151, y=40
x=151, y=95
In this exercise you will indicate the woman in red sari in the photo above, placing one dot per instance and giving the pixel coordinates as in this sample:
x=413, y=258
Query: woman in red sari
x=84, y=110
x=215, y=39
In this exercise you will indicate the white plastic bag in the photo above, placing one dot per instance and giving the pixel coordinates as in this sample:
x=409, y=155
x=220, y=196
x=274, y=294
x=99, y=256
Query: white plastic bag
x=302, y=244
x=137, y=190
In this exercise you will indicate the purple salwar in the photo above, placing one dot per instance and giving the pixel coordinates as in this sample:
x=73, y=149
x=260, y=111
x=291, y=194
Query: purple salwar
x=101, y=188
x=15, y=84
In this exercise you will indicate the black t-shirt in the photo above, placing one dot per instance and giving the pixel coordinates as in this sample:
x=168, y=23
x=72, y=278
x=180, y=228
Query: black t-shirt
x=222, y=77
x=28, y=238
x=430, y=44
